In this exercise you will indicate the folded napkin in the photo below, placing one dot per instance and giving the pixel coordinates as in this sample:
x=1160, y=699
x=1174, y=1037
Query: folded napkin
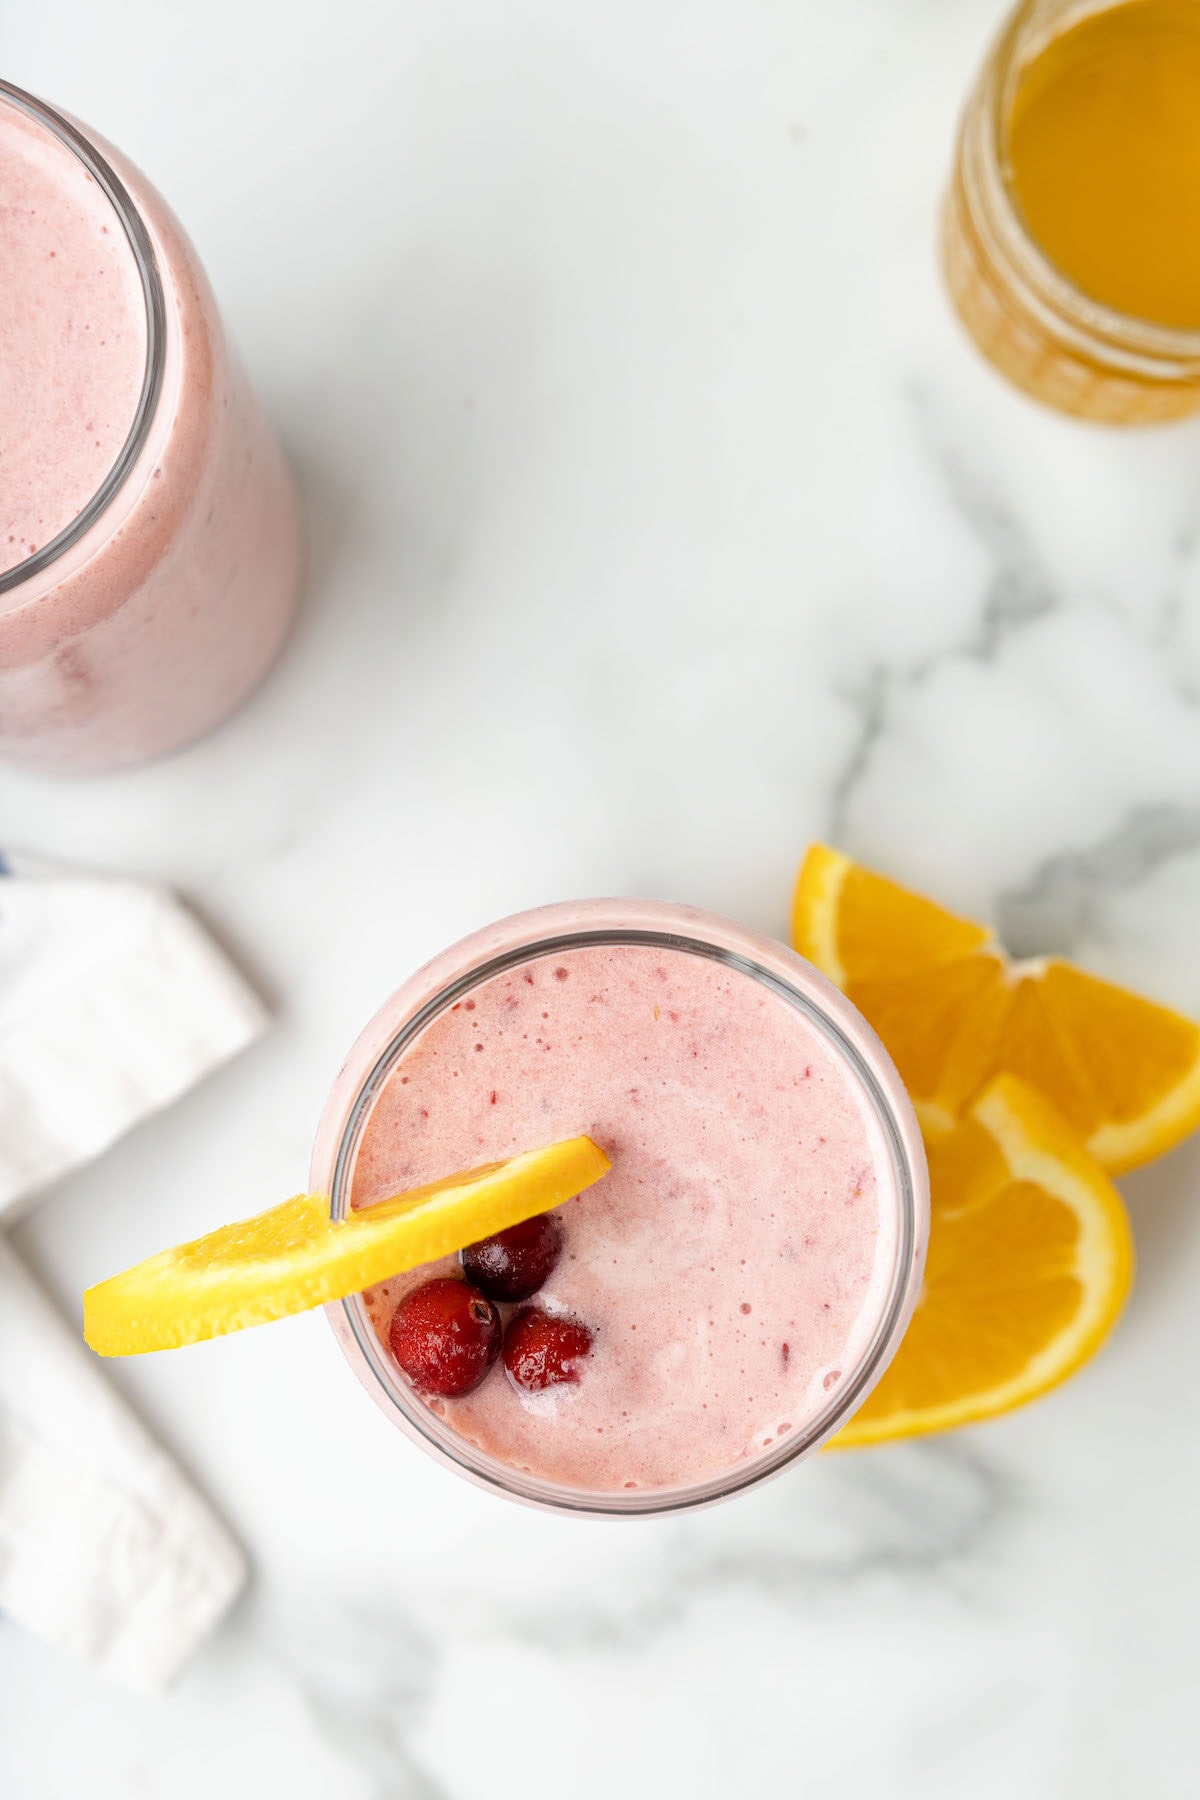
x=105, y=1548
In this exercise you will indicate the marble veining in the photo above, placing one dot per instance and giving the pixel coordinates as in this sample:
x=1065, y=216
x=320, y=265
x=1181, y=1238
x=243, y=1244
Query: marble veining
x=1055, y=910
x=931, y=1509
x=365, y=1676
x=1018, y=588
x=1016, y=591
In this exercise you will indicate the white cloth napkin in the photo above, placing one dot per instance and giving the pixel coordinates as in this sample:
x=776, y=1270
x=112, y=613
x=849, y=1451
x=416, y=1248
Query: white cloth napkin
x=105, y=1548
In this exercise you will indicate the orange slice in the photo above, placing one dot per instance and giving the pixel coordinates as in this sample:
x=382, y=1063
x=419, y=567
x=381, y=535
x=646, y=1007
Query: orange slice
x=954, y=1010
x=295, y=1256
x=1030, y=1260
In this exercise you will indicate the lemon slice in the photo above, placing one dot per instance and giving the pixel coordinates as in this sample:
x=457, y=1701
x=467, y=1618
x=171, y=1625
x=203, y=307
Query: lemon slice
x=295, y=1256
x=1030, y=1260
x=954, y=1010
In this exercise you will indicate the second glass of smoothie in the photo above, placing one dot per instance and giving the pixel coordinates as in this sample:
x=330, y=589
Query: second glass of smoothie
x=744, y=1272
x=150, y=548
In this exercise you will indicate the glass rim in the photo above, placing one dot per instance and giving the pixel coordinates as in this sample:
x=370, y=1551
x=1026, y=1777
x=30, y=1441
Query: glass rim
x=388, y=1387
x=142, y=250
x=1160, y=350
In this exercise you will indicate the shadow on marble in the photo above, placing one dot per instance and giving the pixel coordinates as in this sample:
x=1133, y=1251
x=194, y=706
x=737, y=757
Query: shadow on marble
x=1164, y=1204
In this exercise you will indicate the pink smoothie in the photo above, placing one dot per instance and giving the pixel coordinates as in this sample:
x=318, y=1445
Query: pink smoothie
x=149, y=541
x=72, y=332
x=737, y=1262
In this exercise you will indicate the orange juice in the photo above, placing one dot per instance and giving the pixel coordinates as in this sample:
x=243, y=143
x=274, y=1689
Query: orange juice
x=1104, y=157
x=1071, y=231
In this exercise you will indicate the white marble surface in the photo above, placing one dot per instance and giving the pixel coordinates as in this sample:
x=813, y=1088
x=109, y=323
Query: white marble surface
x=660, y=520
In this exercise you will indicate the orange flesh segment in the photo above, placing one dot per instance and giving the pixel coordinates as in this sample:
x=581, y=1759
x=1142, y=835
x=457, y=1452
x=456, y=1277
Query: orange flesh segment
x=954, y=1011
x=1030, y=1260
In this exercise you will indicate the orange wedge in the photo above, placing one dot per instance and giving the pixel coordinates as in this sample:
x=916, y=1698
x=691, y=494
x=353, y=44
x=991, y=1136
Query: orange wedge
x=295, y=1256
x=1030, y=1260
x=954, y=1010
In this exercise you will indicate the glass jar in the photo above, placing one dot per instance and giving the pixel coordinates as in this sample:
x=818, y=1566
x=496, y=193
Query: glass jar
x=1050, y=339
x=162, y=593
x=554, y=932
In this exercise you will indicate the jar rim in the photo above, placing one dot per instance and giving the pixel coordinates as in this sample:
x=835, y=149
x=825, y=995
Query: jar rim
x=359, y=1340
x=142, y=250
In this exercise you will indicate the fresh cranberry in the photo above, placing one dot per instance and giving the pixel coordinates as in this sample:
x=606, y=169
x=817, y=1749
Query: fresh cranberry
x=542, y=1349
x=513, y=1264
x=445, y=1336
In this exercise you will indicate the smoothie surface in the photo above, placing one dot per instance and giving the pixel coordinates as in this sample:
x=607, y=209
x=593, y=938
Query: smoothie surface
x=737, y=1259
x=72, y=336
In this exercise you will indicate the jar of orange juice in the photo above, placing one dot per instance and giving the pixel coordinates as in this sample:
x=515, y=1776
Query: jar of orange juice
x=1071, y=234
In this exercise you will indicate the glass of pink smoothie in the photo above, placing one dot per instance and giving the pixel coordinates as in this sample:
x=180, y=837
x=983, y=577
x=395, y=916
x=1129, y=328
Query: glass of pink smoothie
x=150, y=547
x=748, y=1266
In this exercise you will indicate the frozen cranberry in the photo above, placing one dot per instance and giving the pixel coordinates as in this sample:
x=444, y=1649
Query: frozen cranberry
x=513, y=1264
x=542, y=1349
x=445, y=1336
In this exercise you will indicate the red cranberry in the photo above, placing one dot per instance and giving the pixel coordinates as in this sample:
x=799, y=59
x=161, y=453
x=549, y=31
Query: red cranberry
x=513, y=1264
x=542, y=1349
x=445, y=1336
